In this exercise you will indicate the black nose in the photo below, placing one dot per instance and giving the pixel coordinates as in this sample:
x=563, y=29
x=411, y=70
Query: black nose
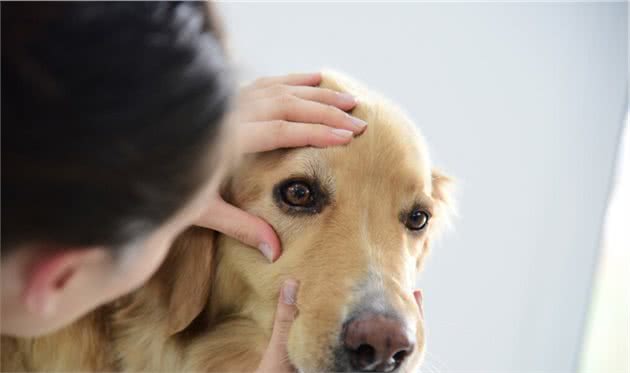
x=376, y=343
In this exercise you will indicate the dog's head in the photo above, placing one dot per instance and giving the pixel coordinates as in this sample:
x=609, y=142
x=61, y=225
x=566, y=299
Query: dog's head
x=355, y=224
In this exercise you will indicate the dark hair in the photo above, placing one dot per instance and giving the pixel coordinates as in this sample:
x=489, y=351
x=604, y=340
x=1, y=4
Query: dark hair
x=109, y=112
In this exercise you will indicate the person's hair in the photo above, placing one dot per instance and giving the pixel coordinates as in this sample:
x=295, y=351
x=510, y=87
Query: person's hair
x=109, y=114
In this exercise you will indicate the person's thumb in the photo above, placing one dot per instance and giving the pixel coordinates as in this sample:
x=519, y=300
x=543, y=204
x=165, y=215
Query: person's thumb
x=276, y=357
x=417, y=294
x=245, y=227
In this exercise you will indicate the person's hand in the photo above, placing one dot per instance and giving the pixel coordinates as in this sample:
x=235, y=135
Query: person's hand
x=291, y=111
x=280, y=112
x=276, y=357
x=417, y=294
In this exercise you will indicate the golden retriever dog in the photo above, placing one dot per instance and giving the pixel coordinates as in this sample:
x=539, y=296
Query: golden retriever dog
x=355, y=222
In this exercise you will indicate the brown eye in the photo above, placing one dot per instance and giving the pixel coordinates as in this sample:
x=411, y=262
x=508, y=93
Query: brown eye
x=301, y=196
x=417, y=220
x=297, y=194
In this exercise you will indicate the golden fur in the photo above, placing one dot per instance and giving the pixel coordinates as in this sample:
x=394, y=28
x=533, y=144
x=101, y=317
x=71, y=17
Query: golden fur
x=210, y=306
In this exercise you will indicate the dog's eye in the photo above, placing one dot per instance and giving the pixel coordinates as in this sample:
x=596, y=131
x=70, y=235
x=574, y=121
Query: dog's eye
x=417, y=220
x=297, y=194
x=301, y=196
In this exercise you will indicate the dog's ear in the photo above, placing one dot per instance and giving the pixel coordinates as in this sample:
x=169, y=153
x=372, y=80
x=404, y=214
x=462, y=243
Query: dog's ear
x=444, y=208
x=442, y=195
x=188, y=271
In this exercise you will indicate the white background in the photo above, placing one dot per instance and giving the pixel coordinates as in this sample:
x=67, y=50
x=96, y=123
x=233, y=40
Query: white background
x=522, y=103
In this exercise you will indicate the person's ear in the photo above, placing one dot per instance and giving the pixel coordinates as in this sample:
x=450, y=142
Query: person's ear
x=48, y=274
x=189, y=270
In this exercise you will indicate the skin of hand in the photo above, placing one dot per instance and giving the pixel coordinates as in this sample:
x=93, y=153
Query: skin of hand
x=273, y=113
x=276, y=357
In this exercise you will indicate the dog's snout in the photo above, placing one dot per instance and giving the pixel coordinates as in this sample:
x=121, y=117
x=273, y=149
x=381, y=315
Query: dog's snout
x=377, y=343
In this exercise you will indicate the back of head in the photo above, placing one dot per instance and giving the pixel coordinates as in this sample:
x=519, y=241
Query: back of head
x=109, y=111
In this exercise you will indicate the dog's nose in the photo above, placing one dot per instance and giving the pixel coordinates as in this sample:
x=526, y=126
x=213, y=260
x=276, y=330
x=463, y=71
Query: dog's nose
x=376, y=343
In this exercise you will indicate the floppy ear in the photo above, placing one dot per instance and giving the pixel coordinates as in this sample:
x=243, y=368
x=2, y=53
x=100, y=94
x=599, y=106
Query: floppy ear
x=442, y=195
x=188, y=270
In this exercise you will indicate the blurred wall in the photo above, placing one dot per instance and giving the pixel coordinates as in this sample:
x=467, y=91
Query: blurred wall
x=523, y=104
x=607, y=339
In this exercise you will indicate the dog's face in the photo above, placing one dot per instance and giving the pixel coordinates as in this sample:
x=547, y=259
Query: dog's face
x=355, y=224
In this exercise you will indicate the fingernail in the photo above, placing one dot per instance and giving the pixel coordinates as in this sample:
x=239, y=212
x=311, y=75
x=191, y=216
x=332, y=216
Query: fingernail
x=357, y=123
x=289, y=292
x=344, y=134
x=346, y=98
x=265, y=249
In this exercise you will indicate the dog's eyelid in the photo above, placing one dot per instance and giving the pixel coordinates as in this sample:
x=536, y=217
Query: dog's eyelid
x=421, y=205
x=313, y=175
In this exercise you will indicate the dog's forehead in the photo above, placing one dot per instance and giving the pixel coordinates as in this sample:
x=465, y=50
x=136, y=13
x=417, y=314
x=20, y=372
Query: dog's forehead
x=392, y=144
